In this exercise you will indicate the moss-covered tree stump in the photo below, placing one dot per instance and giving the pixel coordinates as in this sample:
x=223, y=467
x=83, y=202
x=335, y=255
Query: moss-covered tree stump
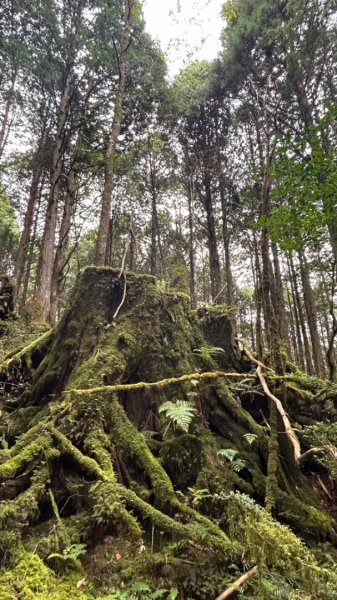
x=101, y=487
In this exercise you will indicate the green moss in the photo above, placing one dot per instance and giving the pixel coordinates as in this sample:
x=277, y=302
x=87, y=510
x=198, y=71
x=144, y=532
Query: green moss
x=85, y=462
x=38, y=344
x=305, y=519
x=15, y=513
x=30, y=579
x=13, y=465
x=161, y=384
x=273, y=450
x=95, y=444
x=127, y=437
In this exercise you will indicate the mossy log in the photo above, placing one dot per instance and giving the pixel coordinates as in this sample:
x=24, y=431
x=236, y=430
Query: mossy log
x=89, y=462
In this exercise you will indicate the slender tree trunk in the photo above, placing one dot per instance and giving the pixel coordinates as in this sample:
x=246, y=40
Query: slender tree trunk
x=153, y=252
x=24, y=243
x=103, y=230
x=6, y=122
x=29, y=261
x=258, y=298
x=279, y=294
x=310, y=307
x=61, y=250
x=308, y=358
x=214, y=261
x=190, y=196
x=226, y=241
x=294, y=344
x=45, y=269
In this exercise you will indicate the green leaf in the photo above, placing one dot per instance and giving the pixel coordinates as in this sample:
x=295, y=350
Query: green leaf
x=180, y=413
x=228, y=453
x=250, y=438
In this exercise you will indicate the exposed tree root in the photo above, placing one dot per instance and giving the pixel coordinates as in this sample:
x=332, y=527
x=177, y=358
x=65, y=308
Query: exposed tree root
x=238, y=584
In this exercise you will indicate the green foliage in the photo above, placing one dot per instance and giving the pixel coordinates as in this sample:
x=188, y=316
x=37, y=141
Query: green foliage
x=305, y=174
x=199, y=495
x=323, y=435
x=236, y=464
x=9, y=233
x=250, y=438
x=70, y=555
x=192, y=87
x=212, y=351
x=276, y=549
x=179, y=413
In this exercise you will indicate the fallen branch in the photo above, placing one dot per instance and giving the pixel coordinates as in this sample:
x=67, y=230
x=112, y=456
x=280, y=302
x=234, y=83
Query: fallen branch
x=238, y=583
x=286, y=422
x=327, y=449
x=142, y=385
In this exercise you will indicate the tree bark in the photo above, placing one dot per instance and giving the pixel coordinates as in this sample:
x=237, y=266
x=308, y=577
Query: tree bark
x=45, y=269
x=6, y=124
x=310, y=307
x=61, y=250
x=24, y=243
x=308, y=357
x=190, y=196
x=103, y=230
x=279, y=298
x=214, y=261
x=226, y=241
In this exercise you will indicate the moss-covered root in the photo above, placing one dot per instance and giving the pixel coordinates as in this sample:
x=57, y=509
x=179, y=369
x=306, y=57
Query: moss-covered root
x=25, y=355
x=126, y=436
x=28, y=578
x=273, y=451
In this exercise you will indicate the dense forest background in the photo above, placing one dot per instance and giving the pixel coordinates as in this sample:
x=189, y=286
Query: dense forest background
x=222, y=182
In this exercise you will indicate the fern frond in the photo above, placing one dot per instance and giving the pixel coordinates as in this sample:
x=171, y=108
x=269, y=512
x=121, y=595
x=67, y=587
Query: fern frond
x=228, y=453
x=180, y=412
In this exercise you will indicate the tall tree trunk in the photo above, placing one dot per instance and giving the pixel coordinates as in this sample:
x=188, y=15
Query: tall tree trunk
x=6, y=122
x=225, y=231
x=308, y=357
x=279, y=295
x=214, y=261
x=29, y=260
x=310, y=307
x=153, y=251
x=190, y=196
x=226, y=241
x=61, y=250
x=294, y=349
x=258, y=297
x=45, y=269
x=24, y=243
x=103, y=230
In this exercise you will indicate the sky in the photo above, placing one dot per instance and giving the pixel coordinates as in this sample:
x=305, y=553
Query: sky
x=186, y=29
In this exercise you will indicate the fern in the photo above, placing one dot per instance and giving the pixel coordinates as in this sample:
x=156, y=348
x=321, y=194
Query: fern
x=250, y=438
x=209, y=351
x=180, y=413
x=236, y=464
x=228, y=454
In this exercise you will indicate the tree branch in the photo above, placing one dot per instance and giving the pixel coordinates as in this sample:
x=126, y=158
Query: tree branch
x=237, y=584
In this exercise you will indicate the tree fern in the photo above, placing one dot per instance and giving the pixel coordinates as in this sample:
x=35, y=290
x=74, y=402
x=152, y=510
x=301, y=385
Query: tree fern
x=180, y=413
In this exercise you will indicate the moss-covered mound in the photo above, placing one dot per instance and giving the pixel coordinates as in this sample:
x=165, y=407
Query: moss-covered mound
x=141, y=459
